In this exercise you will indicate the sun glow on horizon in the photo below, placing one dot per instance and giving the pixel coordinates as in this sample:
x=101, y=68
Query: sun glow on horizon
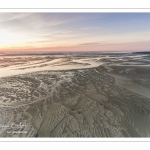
x=74, y=31
x=9, y=39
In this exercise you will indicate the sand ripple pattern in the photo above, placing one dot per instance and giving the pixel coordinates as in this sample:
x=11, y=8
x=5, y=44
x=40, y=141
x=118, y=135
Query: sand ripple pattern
x=77, y=103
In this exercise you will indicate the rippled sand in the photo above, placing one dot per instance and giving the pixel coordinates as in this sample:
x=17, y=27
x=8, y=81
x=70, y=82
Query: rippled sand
x=76, y=97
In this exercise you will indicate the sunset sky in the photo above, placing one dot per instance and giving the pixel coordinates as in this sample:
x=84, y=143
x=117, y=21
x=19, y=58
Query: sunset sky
x=74, y=31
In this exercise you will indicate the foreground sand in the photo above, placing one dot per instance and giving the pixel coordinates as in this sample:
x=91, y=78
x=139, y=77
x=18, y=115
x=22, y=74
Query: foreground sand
x=72, y=103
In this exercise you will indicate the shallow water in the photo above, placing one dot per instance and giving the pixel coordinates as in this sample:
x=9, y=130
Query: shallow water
x=55, y=64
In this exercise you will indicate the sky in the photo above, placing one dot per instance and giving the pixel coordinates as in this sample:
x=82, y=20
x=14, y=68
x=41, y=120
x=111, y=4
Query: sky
x=74, y=32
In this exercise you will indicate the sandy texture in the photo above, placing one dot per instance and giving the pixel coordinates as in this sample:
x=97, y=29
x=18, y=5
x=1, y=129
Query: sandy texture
x=87, y=102
x=91, y=104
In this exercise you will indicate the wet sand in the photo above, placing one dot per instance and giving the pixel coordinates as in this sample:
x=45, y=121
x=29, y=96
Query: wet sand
x=128, y=84
x=56, y=64
x=89, y=97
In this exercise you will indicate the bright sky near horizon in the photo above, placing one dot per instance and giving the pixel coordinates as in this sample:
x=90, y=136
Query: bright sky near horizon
x=74, y=31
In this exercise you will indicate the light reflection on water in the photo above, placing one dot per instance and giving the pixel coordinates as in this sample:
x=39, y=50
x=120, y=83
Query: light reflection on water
x=15, y=65
x=55, y=64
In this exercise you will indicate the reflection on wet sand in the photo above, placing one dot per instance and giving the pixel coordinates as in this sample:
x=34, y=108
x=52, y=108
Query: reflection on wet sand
x=75, y=95
x=55, y=64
